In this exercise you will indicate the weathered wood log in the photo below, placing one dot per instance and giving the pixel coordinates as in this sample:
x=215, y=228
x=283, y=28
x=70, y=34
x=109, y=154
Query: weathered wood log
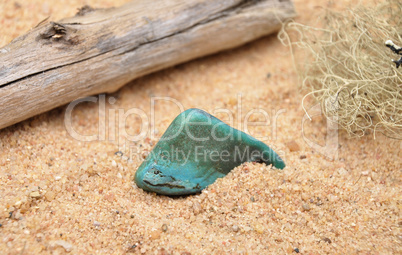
x=99, y=51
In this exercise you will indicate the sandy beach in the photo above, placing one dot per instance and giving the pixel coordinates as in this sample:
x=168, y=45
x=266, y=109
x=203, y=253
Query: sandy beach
x=63, y=195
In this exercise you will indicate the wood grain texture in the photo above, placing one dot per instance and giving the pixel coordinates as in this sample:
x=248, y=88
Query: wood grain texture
x=99, y=51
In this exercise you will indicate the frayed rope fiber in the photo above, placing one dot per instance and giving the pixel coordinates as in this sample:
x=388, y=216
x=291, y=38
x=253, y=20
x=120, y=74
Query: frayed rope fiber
x=350, y=69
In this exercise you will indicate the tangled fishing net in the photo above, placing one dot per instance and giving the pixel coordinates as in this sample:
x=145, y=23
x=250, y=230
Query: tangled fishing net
x=349, y=69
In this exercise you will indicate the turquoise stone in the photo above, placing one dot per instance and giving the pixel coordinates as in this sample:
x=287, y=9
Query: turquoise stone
x=195, y=150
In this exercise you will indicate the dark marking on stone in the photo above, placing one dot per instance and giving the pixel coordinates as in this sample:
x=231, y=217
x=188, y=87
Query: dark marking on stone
x=169, y=185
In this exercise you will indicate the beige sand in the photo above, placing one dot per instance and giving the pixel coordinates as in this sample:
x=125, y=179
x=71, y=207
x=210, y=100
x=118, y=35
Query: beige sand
x=62, y=195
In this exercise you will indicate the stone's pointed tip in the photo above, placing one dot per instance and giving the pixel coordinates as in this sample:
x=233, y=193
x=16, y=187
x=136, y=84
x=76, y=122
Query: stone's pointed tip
x=195, y=150
x=280, y=164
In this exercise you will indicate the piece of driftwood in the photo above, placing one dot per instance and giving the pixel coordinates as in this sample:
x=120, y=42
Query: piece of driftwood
x=99, y=51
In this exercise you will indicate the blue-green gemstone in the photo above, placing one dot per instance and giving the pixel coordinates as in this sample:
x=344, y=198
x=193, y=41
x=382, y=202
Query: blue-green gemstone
x=195, y=150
